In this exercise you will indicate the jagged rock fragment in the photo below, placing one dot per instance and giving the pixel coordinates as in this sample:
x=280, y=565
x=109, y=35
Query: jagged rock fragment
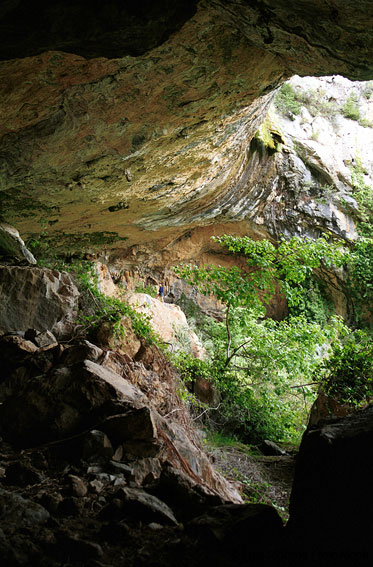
x=12, y=245
x=146, y=507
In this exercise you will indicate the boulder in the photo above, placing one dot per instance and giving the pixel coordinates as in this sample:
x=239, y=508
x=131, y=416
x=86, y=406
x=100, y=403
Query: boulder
x=136, y=424
x=269, y=448
x=12, y=245
x=168, y=321
x=240, y=524
x=184, y=453
x=331, y=502
x=96, y=447
x=76, y=486
x=81, y=350
x=16, y=510
x=126, y=342
x=69, y=400
x=135, y=430
x=188, y=497
x=206, y=392
x=146, y=507
x=45, y=339
x=36, y=298
x=16, y=360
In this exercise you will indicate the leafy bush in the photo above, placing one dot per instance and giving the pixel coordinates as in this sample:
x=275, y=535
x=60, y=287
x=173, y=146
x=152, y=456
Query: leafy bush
x=348, y=373
x=148, y=289
x=350, y=108
x=362, y=192
x=361, y=278
x=361, y=257
x=314, y=303
x=290, y=101
x=97, y=308
x=191, y=368
x=286, y=101
x=258, y=386
x=368, y=91
x=318, y=104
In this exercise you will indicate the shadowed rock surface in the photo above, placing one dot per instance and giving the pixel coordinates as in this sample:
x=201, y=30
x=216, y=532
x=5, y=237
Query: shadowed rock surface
x=330, y=504
x=149, y=138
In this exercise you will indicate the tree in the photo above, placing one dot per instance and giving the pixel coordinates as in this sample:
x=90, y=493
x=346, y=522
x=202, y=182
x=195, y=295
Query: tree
x=257, y=362
x=284, y=268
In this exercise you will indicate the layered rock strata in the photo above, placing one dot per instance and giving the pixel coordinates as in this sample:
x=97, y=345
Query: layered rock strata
x=144, y=146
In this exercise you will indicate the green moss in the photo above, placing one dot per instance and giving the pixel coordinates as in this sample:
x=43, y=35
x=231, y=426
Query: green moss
x=268, y=138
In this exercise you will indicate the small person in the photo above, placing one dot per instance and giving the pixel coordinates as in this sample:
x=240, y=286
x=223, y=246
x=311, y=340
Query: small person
x=161, y=293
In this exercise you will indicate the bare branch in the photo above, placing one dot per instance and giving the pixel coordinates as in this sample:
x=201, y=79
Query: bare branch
x=206, y=410
x=303, y=385
x=228, y=334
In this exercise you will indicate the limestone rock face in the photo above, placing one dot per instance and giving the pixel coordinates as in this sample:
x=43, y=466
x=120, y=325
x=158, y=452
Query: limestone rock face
x=168, y=321
x=36, y=298
x=142, y=147
x=323, y=148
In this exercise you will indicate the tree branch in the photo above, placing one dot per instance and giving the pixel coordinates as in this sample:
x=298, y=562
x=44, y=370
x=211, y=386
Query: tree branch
x=303, y=385
x=228, y=334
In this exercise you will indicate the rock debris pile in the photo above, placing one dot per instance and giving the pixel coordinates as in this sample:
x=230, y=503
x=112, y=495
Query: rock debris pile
x=99, y=460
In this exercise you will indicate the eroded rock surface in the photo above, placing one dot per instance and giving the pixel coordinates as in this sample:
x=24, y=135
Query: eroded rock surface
x=153, y=142
x=330, y=501
x=36, y=298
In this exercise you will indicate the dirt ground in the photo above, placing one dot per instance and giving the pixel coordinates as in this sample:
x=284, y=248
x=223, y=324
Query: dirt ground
x=260, y=479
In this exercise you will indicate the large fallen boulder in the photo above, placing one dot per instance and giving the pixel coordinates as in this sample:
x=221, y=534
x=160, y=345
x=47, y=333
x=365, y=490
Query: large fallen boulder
x=168, y=321
x=331, y=501
x=65, y=402
x=36, y=298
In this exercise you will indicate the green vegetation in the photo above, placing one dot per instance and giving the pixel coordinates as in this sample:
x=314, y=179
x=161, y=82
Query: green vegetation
x=368, y=91
x=361, y=257
x=361, y=280
x=350, y=108
x=315, y=304
x=286, y=101
x=286, y=266
x=97, y=309
x=269, y=136
x=347, y=375
x=289, y=102
x=318, y=103
x=363, y=194
x=264, y=369
x=148, y=289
